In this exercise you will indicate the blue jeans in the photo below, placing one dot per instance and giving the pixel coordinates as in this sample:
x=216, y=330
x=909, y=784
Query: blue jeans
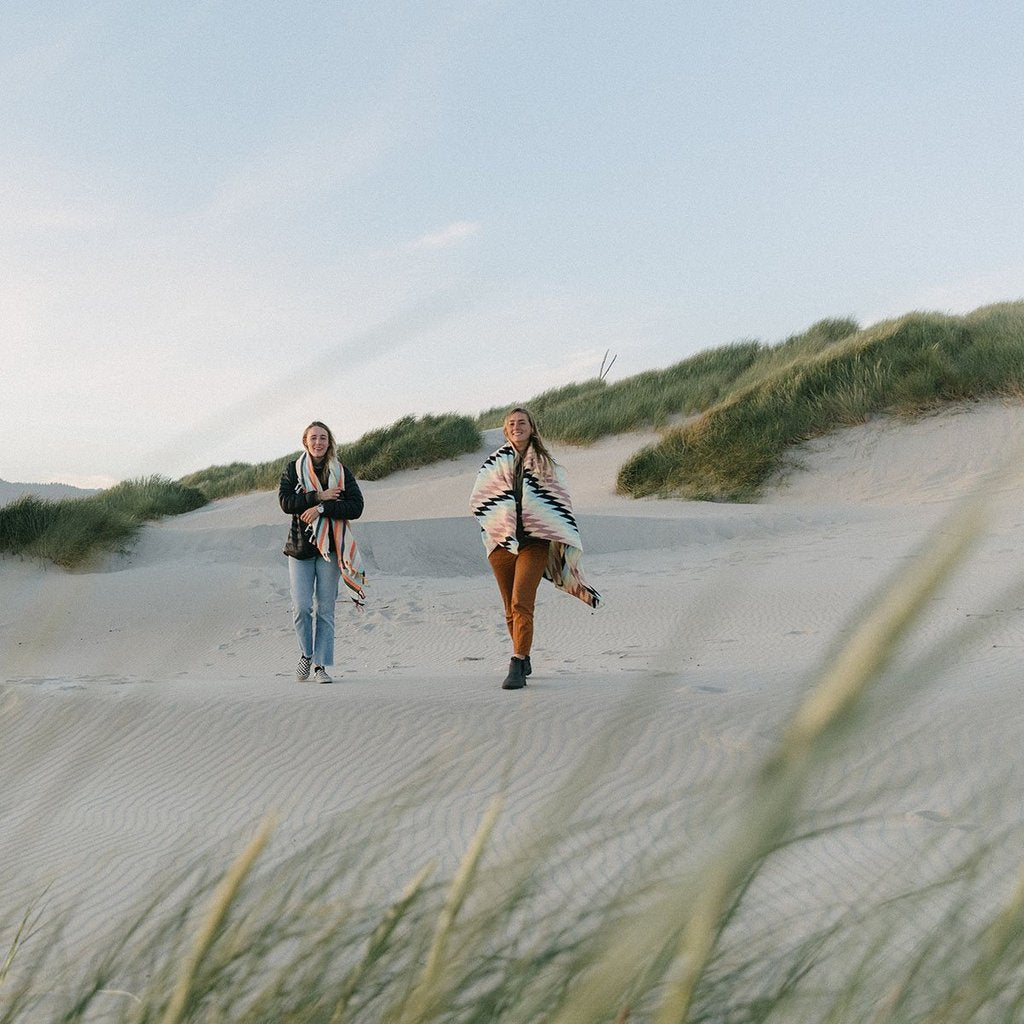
x=308, y=576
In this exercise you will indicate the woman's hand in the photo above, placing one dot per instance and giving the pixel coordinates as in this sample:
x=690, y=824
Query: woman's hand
x=331, y=494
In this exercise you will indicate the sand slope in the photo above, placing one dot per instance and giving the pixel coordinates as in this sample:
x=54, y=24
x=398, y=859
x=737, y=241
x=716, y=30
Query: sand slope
x=149, y=711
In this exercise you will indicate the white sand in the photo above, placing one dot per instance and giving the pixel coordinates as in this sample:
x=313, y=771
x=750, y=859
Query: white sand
x=149, y=711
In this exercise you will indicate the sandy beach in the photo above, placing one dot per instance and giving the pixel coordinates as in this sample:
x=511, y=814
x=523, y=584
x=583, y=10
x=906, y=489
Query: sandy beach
x=150, y=713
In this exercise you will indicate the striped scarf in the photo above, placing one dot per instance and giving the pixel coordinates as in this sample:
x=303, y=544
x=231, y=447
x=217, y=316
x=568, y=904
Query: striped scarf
x=547, y=514
x=323, y=528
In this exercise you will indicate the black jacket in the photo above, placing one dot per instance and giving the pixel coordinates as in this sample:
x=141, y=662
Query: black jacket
x=294, y=501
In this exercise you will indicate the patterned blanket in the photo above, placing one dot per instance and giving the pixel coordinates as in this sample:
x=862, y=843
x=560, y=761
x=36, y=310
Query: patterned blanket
x=547, y=513
x=323, y=528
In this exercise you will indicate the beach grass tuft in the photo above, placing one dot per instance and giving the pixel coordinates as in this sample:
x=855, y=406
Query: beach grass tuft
x=731, y=416
x=583, y=412
x=72, y=531
x=227, y=890
x=904, y=367
x=408, y=443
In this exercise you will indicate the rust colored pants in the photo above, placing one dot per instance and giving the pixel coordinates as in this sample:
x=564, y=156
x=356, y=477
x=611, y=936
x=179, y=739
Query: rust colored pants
x=518, y=577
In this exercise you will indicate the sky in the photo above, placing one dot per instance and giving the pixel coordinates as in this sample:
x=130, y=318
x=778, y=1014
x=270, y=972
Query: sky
x=220, y=220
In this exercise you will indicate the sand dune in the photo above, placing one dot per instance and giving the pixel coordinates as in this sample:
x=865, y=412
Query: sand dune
x=149, y=711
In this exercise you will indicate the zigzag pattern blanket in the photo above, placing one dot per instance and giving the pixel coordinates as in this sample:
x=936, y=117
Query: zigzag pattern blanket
x=547, y=513
x=349, y=560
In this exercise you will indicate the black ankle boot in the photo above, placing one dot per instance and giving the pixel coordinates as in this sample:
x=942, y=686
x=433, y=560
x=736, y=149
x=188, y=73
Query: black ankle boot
x=527, y=667
x=516, y=678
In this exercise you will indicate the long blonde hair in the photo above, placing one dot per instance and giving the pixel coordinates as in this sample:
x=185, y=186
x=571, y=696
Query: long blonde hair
x=540, y=449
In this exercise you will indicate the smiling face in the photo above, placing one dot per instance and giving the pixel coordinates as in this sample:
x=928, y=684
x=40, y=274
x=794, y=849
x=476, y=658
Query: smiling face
x=317, y=440
x=518, y=429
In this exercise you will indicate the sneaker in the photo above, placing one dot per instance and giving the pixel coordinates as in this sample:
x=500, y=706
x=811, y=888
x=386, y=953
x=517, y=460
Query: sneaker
x=320, y=675
x=302, y=672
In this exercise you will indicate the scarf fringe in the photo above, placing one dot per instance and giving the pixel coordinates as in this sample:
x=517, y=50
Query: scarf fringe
x=323, y=528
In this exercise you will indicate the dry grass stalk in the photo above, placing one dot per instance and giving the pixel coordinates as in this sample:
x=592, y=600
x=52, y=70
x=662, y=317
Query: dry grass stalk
x=424, y=992
x=974, y=991
x=773, y=801
x=872, y=645
x=856, y=666
x=379, y=941
x=220, y=903
x=20, y=935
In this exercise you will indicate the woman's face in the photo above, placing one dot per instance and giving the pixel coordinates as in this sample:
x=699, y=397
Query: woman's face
x=518, y=430
x=317, y=442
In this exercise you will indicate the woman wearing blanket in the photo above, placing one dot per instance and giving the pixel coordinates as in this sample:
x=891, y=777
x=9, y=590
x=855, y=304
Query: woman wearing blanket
x=529, y=532
x=321, y=496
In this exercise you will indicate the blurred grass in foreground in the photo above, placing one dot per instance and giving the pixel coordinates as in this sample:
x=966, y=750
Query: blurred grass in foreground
x=678, y=936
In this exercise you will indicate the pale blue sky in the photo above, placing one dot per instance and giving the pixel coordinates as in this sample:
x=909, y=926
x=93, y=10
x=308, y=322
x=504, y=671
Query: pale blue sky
x=219, y=220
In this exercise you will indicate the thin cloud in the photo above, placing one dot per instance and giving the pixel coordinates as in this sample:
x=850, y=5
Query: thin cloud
x=341, y=364
x=447, y=237
x=300, y=172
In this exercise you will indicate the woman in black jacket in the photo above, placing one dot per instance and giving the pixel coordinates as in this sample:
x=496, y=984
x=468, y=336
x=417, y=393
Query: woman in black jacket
x=321, y=496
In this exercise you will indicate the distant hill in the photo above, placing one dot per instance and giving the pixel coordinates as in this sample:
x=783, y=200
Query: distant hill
x=13, y=491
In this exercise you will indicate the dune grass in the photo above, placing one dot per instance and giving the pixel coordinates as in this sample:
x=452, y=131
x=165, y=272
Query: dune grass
x=71, y=531
x=408, y=443
x=749, y=404
x=904, y=367
x=680, y=936
x=580, y=413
